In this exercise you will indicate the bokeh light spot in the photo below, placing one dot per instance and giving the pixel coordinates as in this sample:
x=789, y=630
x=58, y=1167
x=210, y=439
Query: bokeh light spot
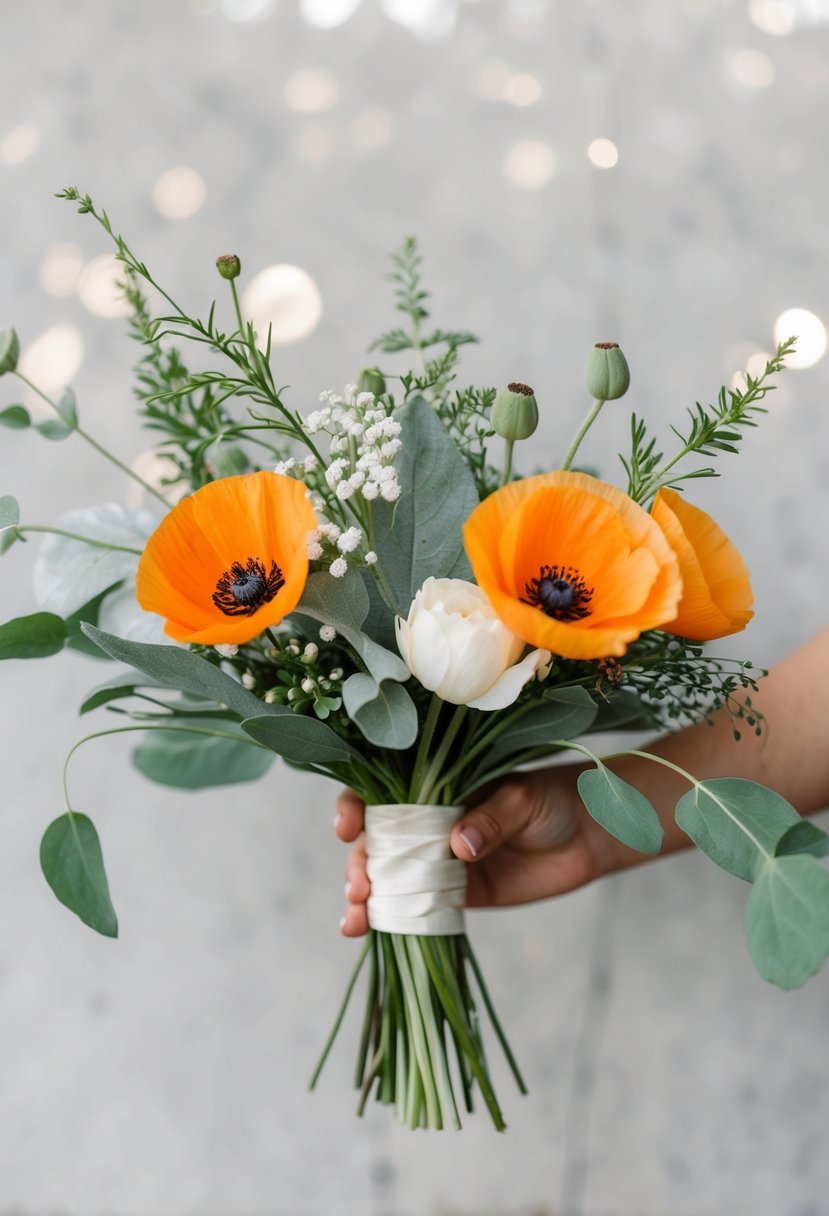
x=752, y=69
x=19, y=144
x=98, y=287
x=61, y=269
x=285, y=297
x=52, y=360
x=775, y=17
x=603, y=153
x=311, y=91
x=328, y=14
x=179, y=193
x=522, y=89
x=530, y=164
x=246, y=11
x=809, y=331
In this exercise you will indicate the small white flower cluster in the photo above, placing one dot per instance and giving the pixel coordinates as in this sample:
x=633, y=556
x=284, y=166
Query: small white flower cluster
x=332, y=542
x=296, y=467
x=364, y=443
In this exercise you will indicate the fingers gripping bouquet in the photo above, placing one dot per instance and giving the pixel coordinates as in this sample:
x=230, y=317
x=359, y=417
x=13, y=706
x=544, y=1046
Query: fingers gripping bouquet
x=362, y=592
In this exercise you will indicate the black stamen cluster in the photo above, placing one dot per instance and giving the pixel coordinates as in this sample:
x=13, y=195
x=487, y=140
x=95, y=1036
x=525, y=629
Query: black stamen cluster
x=241, y=590
x=560, y=592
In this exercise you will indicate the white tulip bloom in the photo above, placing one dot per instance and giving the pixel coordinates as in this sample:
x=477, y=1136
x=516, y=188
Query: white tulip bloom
x=457, y=647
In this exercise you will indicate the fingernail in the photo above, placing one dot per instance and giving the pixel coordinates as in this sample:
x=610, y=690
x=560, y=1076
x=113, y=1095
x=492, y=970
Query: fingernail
x=347, y=889
x=337, y=819
x=473, y=840
x=342, y=924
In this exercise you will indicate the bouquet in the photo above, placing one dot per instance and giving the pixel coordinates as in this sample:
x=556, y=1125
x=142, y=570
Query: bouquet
x=368, y=590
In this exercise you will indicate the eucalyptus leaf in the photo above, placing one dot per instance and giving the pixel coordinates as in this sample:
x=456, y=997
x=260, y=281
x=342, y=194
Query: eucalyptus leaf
x=117, y=688
x=16, y=417
x=560, y=714
x=177, y=668
x=9, y=512
x=803, y=837
x=71, y=860
x=194, y=762
x=621, y=809
x=385, y=713
x=737, y=823
x=344, y=603
x=69, y=573
x=420, y=535
x=67, y=407
x=787, y=919
x=32, y=637
x=9, y=537
x=299, y=739
x=54, y=428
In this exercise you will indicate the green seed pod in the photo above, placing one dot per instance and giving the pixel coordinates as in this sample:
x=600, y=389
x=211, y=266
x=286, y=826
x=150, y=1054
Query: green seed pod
x=515, y=412
x=9, y=351
x=229, y=266
x=371, y=380
x=608, y=374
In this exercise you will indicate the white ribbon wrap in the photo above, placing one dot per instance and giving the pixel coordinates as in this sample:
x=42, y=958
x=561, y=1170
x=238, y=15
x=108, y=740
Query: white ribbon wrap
x=417, y=885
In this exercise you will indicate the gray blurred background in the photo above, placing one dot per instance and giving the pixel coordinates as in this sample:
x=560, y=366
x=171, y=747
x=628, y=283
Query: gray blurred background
x=650, y=172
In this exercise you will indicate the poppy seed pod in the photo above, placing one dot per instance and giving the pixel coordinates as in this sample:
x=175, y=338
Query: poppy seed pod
x=371, y=380
x=608, y=374
x=9, y=351
x=515, y=412
x=229, y=266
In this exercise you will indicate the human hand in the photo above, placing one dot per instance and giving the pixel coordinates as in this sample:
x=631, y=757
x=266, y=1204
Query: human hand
x=530, y=838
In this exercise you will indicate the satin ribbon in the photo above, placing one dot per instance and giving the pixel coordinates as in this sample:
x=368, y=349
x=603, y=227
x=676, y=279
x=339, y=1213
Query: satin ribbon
x=417, y=885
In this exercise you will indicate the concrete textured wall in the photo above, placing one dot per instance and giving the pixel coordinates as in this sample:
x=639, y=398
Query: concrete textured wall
x=164, y=1075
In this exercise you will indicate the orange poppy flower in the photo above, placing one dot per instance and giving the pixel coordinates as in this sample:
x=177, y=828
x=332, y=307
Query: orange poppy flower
x=716, y=591
x=571, y=564
x=230, y=560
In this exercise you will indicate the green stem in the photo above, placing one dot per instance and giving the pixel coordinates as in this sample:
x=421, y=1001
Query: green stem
x=86, y=540
x=509, y=444
x=432, y=778
x=432, y=714
x=340, y=1013
x=580, y=434
x=124, y=730
x=94, y=443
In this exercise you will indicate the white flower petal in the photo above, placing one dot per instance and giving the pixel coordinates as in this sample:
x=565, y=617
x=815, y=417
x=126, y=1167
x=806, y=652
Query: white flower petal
x=506, y=688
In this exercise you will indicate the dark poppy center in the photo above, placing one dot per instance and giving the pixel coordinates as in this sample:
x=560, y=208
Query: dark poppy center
x=244, y=588
x=560, y=592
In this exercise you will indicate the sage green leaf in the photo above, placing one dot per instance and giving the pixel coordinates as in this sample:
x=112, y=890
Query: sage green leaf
x=787, y=919
x=54, y=428
x=344, y=603
x=117, y=688
x=17, y=417
x=68, y=408
x=621, y=809
x=385, y=713
x=69, y=573
x=9, y=350
x=195, y=762
x=560, y=714
x=420, y=535
x=737, y=823
x=71, y=860
x=181, y=669
x=9, y=512
x=803, y=837
x=32, y=637
x=299, y=739
x=9, y=537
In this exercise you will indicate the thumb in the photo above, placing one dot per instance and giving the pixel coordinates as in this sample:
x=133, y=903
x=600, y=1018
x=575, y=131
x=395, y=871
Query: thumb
x=524, y=813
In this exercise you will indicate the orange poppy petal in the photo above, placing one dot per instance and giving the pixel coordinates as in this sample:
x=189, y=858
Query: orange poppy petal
x=716, y=597
x=258, y=518
x=570, y=520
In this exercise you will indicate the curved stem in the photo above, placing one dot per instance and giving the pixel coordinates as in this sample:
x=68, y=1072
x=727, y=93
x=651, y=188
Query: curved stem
x=95, y=444
x=124, y=730
x=86, y=540
x=580, y=434
x=432, y=778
